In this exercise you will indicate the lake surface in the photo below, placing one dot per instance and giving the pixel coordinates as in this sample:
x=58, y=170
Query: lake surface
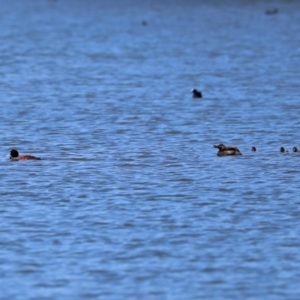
x=130, y=200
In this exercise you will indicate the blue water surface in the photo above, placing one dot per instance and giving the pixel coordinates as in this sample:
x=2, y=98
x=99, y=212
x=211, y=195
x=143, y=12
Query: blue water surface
x=130, y=200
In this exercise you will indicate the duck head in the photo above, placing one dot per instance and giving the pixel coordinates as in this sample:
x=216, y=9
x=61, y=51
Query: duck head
x=14, y=153
x=221, y=147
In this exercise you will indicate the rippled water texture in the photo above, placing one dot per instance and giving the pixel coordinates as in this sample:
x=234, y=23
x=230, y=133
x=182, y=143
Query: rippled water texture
x=130, y=200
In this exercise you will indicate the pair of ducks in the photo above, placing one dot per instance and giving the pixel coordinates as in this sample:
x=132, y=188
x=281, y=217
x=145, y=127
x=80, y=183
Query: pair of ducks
x=223, y=150
x=231, y=150
x=282, y=149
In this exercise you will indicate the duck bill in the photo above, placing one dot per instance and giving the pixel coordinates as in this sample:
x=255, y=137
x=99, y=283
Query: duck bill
x=216, y=146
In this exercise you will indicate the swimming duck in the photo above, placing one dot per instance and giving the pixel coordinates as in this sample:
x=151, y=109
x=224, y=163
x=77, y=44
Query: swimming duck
x=253, y=149
x=14, y=155
x=282, y=149
x=273, y=11
x=295, y=149
x=196, y=93
x=227, y=150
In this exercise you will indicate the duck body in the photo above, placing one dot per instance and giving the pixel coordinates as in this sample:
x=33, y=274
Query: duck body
x=227, y=150
x=295, y=149
x=14, y=155
x=196, y=93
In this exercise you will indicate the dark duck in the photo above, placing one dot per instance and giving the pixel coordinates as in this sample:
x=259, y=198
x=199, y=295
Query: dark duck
x=295, y=149
x=227, y=150
x=283, y=150
x=14, y=155
x=196, y=93
x=273, y=11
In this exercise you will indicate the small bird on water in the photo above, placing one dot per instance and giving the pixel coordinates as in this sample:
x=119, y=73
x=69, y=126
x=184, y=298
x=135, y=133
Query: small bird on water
x=14, y=155
x=273, y=11
x=227, y=150
x=196, y=93
x=283, y=150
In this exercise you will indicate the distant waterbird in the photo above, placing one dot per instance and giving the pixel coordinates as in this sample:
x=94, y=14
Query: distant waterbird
x=227, y=150
x=196, y=93
x=273, y=11
x=283, y=150
x=14, y=155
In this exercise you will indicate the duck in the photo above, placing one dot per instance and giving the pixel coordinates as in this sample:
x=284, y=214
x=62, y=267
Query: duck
x=196, y=93
x=253, y=149
x=295, y=149
x=283, y=150
x=227, y=150
x=14, y=155
x=273, y=11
